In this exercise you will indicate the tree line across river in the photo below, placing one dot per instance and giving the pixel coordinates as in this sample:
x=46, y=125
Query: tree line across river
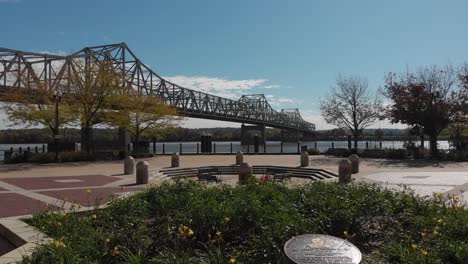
x=179, y=134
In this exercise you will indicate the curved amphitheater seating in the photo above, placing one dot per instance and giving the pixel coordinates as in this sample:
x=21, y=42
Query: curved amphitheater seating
x=296, y=172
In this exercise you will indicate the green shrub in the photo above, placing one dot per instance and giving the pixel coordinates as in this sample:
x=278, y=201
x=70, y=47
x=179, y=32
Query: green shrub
x=187, y=222
x=49, y=157
x=313, y=151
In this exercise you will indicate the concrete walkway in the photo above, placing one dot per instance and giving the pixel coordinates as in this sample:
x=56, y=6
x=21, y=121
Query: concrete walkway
x=27, y=188
x=27, y=195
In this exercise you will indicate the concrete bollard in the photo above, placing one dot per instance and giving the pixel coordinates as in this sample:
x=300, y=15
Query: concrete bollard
x=239, y=157
x=129, y=165
x=344, y=171
x=142, y=172
x=354, y=163
x=175, y=158
x=304, y=159
x=245, y=171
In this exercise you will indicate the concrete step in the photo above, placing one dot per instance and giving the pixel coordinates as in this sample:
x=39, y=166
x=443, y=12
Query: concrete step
x=296, y=172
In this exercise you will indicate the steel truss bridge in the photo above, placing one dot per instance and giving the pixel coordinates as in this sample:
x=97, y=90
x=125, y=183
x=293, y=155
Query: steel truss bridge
x=21, y=69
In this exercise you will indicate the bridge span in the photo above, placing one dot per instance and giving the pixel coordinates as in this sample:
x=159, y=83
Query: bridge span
x=21, y=69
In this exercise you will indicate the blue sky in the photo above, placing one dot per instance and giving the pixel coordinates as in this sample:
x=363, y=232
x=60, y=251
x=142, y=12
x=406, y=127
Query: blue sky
x=290, y=50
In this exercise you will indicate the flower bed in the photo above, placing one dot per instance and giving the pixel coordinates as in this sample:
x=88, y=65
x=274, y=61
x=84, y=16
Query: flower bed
x=187, y=222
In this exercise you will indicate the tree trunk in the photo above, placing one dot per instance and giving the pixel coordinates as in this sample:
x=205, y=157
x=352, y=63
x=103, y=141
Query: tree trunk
x=137, y=142
x=433, y=145
x=86, y=136
x=355, y=142
x=422, y=141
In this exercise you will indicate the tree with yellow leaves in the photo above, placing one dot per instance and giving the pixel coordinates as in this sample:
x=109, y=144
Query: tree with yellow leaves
x=142, y=116
x=91, y=94
x=35, y=106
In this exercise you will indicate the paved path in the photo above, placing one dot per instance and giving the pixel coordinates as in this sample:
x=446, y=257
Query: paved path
x=27, y=188
x=425, y=183
x=27, y=195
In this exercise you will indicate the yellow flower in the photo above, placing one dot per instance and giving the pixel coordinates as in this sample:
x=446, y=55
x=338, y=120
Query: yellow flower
x=423, y=234
x=94, y=216
x=414, y=246
x=435, y=233
x=437, y=194
x=189, y=233
x=423, y=253
x=185, y=232
x=232, y=261
x=218, y=233
x=451, y=196
x=345, y=233
x=59, y=224
x=115, y=251
x=107, y=240
x=440, y=221
x=59, y=244
x=227, y=220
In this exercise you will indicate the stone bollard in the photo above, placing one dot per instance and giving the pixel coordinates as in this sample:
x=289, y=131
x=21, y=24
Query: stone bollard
x=129, y=165
x=245, y=171
x=239, y=157
x=304, y=159
x=142, y=172
x=344, y=171
x=354, y=163
x=175, y=160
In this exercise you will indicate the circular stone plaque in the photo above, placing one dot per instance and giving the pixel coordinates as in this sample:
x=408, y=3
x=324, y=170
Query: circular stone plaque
x=319, y=249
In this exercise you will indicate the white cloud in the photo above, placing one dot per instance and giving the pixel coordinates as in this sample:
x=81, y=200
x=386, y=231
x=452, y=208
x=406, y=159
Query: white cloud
x=206, y=123
x=232, y=89
x=59, y=52
x=282, y=102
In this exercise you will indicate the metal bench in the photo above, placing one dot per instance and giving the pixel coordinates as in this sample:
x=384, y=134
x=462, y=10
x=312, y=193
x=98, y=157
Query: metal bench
x=278, y=174
x=209, y=174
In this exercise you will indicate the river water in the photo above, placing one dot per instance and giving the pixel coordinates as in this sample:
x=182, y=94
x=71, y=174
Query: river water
x=275, y=146
x=225, y=146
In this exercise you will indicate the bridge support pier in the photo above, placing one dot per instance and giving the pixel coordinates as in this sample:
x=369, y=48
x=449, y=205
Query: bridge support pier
x=253, y=134
x=291, y=136
x=86, y=134
x=124, y=140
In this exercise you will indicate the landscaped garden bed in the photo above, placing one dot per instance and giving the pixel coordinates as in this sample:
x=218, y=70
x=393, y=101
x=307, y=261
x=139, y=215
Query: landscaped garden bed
x=188, y=222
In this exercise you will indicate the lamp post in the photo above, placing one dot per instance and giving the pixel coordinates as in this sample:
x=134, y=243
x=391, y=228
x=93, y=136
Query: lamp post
x=434, y=96
x=57, y=98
